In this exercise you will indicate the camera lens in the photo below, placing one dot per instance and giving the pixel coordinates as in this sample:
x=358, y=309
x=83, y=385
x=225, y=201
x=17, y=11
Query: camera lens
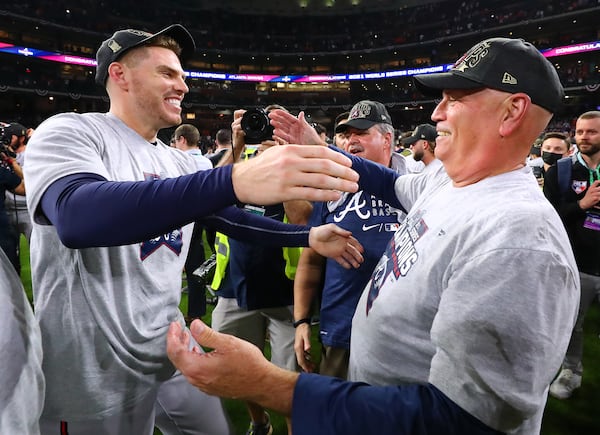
x=256, y=126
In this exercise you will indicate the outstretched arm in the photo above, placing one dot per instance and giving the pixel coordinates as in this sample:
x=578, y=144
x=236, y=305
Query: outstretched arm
x=294, y=130
x=238, y=369
x=328, y=240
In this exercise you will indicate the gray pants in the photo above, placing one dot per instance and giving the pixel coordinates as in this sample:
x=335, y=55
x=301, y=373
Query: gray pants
x=590, y=288
x=176, y=408
x=256, y=326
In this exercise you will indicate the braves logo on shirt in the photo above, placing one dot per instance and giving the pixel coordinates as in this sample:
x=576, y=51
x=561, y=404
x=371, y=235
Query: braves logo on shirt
x=399, y=257
x=363, y=208
x=172, y=240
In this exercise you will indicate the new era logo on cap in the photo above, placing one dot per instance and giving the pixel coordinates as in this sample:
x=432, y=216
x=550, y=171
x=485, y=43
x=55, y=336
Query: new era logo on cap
x=508, y=79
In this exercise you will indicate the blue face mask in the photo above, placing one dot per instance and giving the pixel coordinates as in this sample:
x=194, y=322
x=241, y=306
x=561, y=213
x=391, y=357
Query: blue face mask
x=550, y=158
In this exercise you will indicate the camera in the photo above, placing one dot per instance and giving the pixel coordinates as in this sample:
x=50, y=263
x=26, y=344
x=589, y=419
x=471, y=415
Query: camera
x=257, y=126
x=5, y=138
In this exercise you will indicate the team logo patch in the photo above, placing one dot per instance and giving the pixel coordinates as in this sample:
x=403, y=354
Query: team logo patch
x=578, y=186
x=172, y=241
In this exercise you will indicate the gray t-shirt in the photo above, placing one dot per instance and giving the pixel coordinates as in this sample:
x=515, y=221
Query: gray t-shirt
x=103, y=312
x=21, y=378
x=476, y=294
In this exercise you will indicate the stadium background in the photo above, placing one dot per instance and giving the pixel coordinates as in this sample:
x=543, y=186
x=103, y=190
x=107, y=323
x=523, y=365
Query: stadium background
x=320, y=56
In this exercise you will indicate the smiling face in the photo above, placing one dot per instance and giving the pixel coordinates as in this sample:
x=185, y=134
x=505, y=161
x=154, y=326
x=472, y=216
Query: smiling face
x=158, y=86
x=469, y=139
x=147, y=86
x=369, y=144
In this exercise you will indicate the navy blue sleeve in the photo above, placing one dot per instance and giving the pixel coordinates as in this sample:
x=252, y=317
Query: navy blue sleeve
x=375, y=179
x=87, y=210
x=249, y=227
x=324, y=405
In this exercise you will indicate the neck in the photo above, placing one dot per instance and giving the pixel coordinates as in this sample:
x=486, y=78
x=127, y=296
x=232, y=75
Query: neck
x=140, y=127
x=427, y=159
x=591, y=160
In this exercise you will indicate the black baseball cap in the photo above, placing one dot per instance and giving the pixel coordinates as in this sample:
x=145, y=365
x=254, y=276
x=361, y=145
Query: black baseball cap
x=424, y=131
x=15, y=129
x=123, y=40
x=364, y=115
x=504, y=64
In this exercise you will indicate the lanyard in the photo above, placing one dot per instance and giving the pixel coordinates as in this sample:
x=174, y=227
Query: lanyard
x=592, y=172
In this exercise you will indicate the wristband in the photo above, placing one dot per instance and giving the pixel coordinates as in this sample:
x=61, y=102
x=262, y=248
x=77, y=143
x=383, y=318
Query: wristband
x=301, y=321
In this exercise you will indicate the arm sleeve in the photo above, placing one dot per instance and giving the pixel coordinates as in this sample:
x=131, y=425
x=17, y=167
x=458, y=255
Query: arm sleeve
x=249, y=227
x=328, y=405
x=375, y=179
x=87, y=210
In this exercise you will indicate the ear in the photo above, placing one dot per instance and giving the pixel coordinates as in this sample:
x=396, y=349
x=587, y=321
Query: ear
x=117, y=72
x=388, y=140
x=515, y=109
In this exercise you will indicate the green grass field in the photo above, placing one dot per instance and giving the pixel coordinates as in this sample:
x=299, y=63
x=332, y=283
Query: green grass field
x=575, y=416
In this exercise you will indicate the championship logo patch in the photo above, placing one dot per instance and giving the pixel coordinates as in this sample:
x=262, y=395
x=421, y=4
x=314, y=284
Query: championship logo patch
x=360, y=110
x=472, y=57
x=579, y=186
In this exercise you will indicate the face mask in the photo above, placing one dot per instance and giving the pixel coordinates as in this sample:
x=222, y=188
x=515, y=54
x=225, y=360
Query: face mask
x=550, y=158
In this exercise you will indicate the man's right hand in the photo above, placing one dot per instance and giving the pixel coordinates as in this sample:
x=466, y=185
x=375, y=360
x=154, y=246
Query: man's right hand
x=292, y=172
x=591, y=197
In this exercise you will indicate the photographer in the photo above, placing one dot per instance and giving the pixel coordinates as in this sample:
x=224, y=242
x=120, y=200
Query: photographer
x=15, y=137
x=254, y=283
x=11, y=179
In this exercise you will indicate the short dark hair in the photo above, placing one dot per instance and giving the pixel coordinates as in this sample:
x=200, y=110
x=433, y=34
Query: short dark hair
x=558, y=135
x=223, y=136
x=189, y=132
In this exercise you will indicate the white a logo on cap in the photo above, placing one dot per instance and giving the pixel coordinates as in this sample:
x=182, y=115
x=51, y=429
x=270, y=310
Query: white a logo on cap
x=509, y=79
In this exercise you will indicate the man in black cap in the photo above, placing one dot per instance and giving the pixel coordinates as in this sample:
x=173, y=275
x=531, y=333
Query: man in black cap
x=370, y=134
x=113, y=209
x=453, y=334
x=422, y=144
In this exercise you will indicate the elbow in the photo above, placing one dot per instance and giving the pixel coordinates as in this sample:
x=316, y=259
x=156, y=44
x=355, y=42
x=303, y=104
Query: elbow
x=71, y=239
